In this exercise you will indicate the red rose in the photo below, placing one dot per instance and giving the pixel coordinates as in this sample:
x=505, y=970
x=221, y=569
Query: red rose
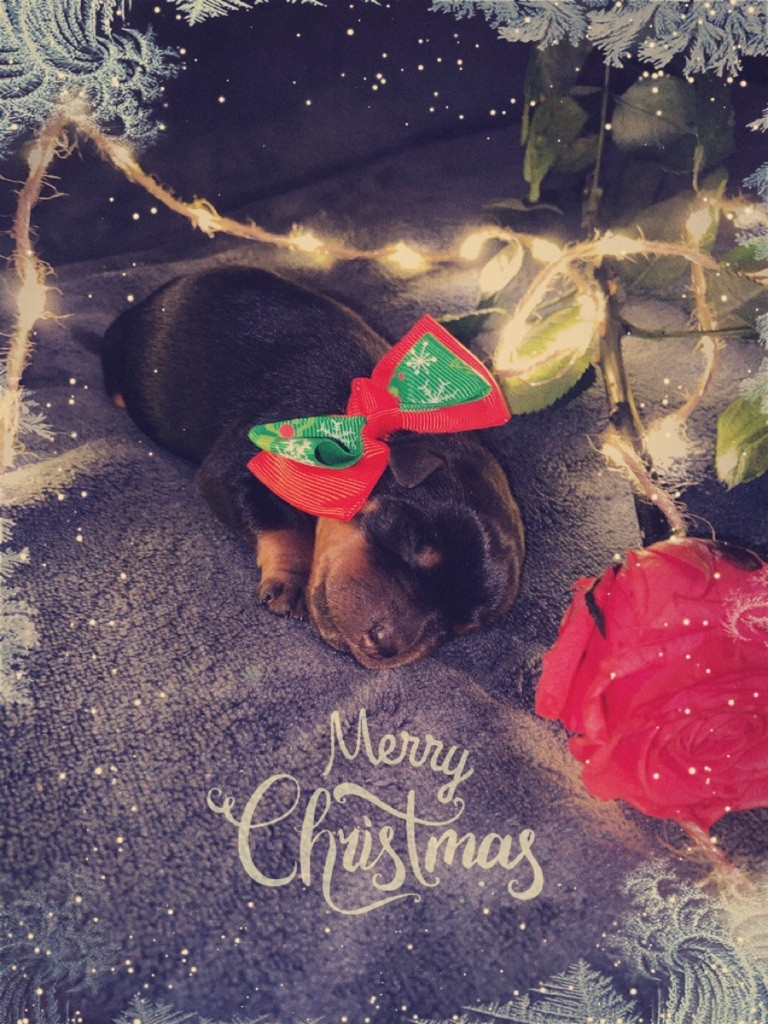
x=661, y=668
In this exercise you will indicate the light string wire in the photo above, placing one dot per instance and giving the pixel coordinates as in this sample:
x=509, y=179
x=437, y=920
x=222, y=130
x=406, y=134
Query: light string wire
x=31, y=273
x=558, y=262
x=666, y=440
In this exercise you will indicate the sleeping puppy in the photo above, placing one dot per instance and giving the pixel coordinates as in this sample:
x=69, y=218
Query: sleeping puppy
x=435, y=550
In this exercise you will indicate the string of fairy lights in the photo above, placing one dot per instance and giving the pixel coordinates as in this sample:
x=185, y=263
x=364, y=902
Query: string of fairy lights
x=665, y=440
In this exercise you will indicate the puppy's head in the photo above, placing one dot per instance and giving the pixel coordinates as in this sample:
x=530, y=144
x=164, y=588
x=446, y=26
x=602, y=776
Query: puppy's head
x=435, y=552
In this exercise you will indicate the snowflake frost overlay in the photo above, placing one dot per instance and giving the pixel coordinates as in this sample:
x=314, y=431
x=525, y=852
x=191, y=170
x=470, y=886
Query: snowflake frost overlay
x=712, y=36
x=54, y=51
x=746, y=614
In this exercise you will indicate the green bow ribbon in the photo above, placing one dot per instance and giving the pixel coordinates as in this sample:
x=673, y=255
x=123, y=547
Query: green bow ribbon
x=428, y=377
x=332, y=441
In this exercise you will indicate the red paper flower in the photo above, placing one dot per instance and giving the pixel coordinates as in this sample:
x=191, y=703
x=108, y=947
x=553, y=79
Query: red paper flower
x=661, y=668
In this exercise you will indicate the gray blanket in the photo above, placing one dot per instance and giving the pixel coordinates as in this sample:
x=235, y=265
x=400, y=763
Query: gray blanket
x=159, y=679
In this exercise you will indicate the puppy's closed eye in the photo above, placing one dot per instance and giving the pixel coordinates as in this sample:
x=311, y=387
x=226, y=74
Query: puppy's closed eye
x=400, y=531
x=427, y=557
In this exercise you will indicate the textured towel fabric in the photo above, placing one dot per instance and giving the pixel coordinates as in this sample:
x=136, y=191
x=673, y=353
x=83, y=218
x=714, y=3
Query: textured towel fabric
x=158, y=677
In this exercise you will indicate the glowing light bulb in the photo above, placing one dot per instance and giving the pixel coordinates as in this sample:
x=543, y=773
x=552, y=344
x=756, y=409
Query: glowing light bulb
x=616, y=450
x=590, y=307
x=510, y=337
x=405, y=257
x=699, y=223
x=545, y=251
x=473, y=244
x=30, y=298
x=666, y=442
x=122, y=156
x=675, y=456
x=520, y=351
x=305, y=240
x=500, y=269
x=205, y=217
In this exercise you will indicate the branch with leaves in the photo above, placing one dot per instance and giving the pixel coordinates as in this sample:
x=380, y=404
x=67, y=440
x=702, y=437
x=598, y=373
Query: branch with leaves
x=571, y=316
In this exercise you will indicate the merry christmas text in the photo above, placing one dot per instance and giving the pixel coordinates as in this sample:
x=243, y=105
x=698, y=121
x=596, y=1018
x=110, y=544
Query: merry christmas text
x=403, y=854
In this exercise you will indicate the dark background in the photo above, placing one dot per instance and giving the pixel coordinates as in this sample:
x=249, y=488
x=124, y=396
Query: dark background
x=265, y=139
x=443, y=78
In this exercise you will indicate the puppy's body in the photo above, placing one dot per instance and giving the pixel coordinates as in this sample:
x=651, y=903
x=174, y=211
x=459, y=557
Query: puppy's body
x=437, y=548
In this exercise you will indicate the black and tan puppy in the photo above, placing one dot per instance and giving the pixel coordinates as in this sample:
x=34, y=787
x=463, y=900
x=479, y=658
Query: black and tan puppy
x=436, y=549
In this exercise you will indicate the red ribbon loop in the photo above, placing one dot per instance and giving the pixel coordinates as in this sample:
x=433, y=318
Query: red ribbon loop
x=340, y=493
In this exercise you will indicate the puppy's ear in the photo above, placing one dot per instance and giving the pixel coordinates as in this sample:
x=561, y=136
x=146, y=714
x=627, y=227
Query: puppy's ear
x=411, y=463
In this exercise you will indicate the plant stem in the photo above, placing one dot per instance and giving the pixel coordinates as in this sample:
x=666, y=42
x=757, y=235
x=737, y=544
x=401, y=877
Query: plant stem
x=646, y=332
x=725, y=874
x=622, y=410
x=592, y=201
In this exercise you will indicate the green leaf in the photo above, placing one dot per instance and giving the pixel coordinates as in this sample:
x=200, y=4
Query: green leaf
x=515, y=205
x=582, y=153
x=666, y=222
x=554, y=126
x=679, y=125
x=750, y=258
x=466, y=326
x=585, y=90
x=553, y=355
x=552, y=71
x=638, y=189
x=742, y=441
x=736, y=300
x=714, y=120
x=656, y=118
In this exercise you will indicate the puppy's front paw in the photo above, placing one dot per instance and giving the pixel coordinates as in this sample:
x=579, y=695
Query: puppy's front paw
x=283, y=594
x=285, y=558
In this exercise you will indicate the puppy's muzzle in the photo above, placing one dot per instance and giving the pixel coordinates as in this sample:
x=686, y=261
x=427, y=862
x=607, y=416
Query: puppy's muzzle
x=377, y=642
x=359, y=607
x=380, y=641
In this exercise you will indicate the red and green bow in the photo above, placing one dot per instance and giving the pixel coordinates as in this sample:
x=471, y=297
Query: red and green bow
x=328, y=465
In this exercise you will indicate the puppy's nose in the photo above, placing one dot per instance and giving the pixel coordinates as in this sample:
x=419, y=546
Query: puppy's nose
x=380, y=641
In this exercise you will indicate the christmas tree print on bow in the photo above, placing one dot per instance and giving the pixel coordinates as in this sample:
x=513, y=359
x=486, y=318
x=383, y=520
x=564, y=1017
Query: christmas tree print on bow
x=328, y=465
